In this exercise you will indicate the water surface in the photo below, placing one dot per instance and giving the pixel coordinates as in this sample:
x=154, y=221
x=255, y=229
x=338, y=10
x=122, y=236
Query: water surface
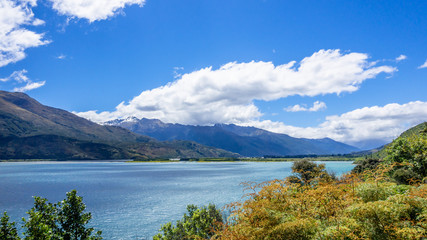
x=132, y=200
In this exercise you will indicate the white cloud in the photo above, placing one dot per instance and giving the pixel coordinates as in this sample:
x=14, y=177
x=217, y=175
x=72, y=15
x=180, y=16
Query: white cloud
x=424, y=65
x=14, y=39
x=401, y=58
x=19, y=77
x=382, y=124
x=317, y=106
x=61, y=57
x=92, y=10
x=226, y=95
x=29, y=86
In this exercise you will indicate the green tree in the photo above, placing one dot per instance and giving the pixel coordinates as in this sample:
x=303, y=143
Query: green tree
x=65, y=220
x=409, y=155
x=73, y=219
x=200, y=223
x=42, y=221
x=309, y=172
x=7, y=229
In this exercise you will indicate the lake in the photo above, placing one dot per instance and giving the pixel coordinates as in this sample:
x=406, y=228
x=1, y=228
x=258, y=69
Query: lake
x=132, y=200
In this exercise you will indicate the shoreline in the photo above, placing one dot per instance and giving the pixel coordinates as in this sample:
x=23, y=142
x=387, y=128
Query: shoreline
x=186, y=160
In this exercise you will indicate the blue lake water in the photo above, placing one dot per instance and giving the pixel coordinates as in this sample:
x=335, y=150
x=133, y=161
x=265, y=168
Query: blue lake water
x=132, y=200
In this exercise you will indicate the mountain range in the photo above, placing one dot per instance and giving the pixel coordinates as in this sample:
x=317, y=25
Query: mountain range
x=30, y=130
x=246, y=141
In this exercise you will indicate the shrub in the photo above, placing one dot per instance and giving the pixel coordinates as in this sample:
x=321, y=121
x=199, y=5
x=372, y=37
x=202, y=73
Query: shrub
x=7, y=229
x=375, y=191
x=366, y=164
x=355, y=207
x=308, y=172
x=409, y=158
x=64, y=220
x=200, y=223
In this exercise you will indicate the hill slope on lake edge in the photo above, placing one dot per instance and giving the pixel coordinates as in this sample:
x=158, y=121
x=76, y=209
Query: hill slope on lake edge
x=30, y=130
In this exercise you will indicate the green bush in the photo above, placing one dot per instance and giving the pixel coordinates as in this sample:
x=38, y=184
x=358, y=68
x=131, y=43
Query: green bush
x=7, y=229
x=65, y=220
x=404, y=175
x=200, y=223
x=408, y=156
x=308, y=172
x=366, y=164
x=370, y=192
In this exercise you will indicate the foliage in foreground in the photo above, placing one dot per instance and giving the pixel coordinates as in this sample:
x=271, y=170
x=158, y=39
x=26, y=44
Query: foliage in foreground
x=381, y=199
x=7, y=229
x=64, y=220
x=356, y=207
x=200, y=223
x=409, y=158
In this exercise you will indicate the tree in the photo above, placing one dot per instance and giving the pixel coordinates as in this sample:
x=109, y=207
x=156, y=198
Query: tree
x=309, y=172
x=200, y=223
x=42, y=221
x=64, y=220
x=409, y=157
x=73, y=219
x=7, y=229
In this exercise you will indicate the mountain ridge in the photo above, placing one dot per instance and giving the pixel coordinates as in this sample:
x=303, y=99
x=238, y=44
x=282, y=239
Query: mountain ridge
x=31, y=130
x=247, y=141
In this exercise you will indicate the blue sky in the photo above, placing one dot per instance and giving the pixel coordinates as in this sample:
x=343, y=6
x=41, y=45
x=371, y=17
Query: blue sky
x=349, y=70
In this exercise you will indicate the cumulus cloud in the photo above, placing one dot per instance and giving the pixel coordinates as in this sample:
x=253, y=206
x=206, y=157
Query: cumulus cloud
x=317, y=106
x=14, y=38
x=379, y=124
x=227, y=94
x=424, y=65
x=92, y=10
x=20, y=77
x=401, y=58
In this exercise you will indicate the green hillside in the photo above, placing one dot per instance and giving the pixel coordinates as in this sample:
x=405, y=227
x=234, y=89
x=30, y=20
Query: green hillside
x=30, y=130
x=416, y=130
x=23, y=116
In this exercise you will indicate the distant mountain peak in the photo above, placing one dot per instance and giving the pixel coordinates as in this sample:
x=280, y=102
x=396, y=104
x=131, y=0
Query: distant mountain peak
x=245, y=140
x=115, y=122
